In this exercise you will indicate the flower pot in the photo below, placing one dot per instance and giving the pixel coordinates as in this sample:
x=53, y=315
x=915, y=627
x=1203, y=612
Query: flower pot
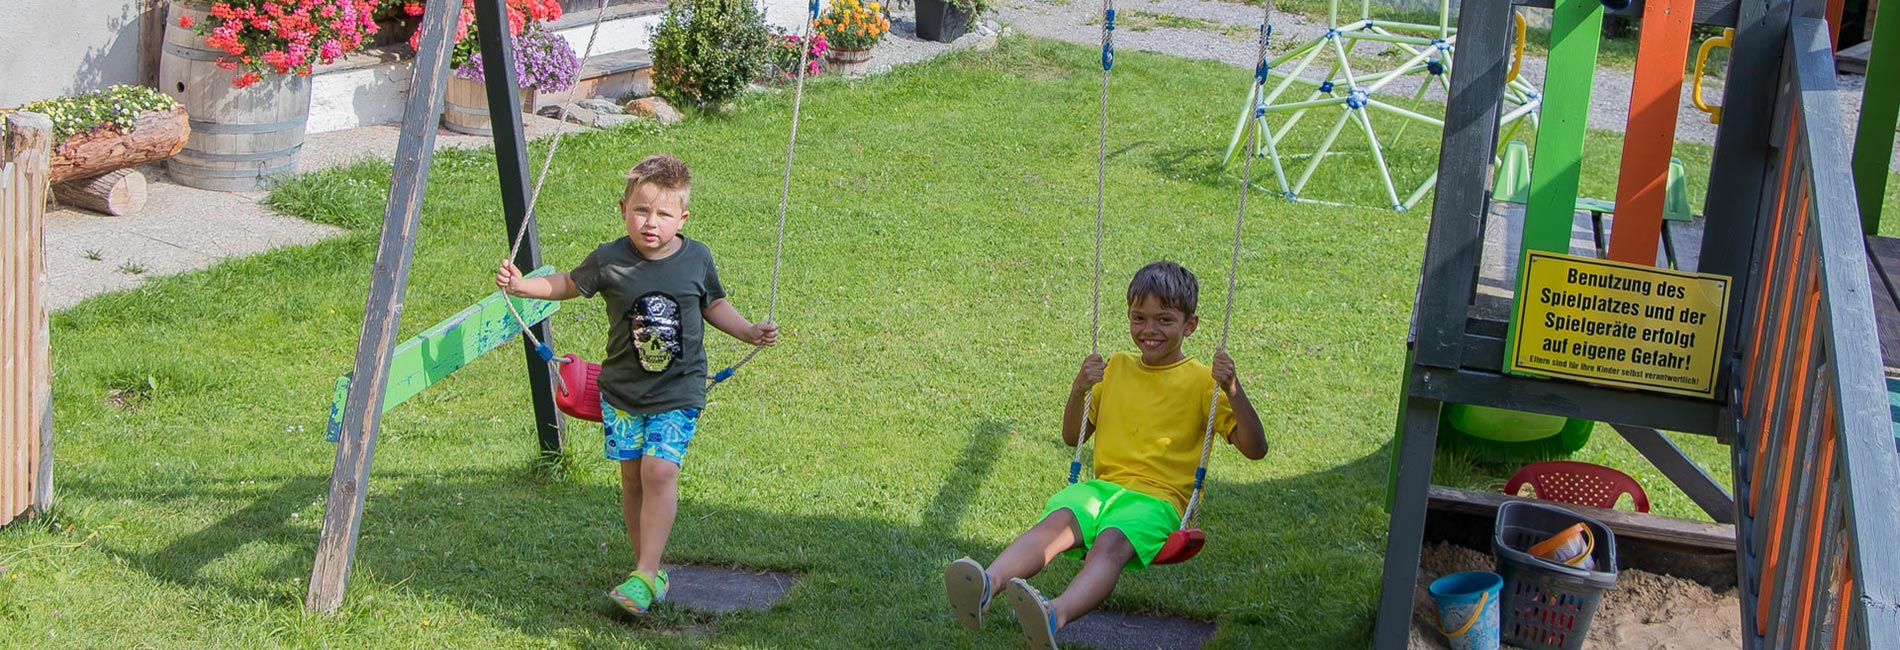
x=465, y=106
x=241, y=139
x=850, y=63
x=940, y=20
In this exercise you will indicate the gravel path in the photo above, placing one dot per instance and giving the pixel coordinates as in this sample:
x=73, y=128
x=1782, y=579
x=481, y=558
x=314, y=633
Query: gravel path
x=1229, y=30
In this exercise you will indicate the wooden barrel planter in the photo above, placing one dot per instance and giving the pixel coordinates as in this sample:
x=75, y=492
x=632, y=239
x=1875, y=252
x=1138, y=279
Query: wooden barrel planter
x=465, y=106
x=853, y=64
x=241, y=139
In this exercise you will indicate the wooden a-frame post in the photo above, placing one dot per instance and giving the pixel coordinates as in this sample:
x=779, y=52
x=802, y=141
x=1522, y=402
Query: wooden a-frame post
x=362, y=415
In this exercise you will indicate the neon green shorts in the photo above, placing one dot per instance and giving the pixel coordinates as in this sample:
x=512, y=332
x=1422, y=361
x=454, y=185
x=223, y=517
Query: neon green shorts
x=1099, y=505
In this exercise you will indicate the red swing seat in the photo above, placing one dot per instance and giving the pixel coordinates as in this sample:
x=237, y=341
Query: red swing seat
x=579, y=393
x=1182, y=545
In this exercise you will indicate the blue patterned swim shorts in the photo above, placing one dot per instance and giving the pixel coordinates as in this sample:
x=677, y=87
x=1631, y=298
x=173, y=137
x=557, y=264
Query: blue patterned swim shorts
x=661, y=435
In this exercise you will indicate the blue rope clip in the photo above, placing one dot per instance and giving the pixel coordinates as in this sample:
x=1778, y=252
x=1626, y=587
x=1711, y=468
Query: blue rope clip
x=547, y=353
x=1075, y=470
x=1260, y=72
x=814, y=9
x=723, y=375
x=1200, y=474
x=1108, y=44
x=1356, y=99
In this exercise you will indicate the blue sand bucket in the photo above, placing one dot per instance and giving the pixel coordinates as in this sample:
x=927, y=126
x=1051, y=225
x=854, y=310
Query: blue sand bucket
x=1467, y=606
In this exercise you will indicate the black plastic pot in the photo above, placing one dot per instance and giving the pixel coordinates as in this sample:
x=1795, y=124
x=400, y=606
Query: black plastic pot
x=940, y=20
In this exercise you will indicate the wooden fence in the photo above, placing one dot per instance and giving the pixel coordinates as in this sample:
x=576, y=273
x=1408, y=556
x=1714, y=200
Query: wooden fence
x=26, y=418
x=1815, y=464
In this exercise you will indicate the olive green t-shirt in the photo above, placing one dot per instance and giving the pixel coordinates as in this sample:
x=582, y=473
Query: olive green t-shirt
x=656, y=357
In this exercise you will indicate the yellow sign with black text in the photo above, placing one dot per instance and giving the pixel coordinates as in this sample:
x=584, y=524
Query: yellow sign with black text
x=1620, y=324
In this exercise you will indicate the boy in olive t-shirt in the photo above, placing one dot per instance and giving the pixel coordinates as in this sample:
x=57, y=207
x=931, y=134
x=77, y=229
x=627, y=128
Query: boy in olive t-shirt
x=661, y=289
x=1149, y=414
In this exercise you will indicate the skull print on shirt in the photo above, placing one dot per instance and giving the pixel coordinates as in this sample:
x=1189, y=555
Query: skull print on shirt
x=655, y=321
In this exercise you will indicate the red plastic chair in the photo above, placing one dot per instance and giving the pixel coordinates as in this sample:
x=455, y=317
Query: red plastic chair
x=1583, y=484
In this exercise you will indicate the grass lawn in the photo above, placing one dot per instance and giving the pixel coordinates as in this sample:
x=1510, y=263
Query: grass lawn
x=936, y=304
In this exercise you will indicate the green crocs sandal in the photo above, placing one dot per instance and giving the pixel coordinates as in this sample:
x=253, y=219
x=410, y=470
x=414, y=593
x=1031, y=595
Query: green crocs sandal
x=1036, y=615
x=640, y=592
x=969, y=590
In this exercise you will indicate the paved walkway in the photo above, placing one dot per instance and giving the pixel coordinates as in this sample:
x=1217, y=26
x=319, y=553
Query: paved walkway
x=183, y=229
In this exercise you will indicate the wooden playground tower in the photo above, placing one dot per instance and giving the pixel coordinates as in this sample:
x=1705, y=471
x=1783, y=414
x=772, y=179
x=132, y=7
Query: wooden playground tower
x=1798, y=392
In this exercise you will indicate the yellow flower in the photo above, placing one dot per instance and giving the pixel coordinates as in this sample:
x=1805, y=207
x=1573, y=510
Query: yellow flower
x=875, y=7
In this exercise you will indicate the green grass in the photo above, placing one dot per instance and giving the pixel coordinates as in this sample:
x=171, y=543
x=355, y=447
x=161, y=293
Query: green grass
x=935, y=302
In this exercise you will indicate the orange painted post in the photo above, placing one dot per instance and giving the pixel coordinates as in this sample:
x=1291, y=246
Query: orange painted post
x=1650, y=136
x=1834, y=10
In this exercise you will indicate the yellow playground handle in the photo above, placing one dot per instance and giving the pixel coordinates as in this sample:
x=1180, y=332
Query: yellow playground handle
x=1727, y=39
x=1468, y=622
x=1517, y=60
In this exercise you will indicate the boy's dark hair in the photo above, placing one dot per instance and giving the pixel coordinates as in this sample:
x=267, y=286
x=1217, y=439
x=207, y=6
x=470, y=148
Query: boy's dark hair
x=1168, y=282
x=664, y=171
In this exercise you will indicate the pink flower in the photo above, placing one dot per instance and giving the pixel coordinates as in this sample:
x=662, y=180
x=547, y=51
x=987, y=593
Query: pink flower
x=330, y=50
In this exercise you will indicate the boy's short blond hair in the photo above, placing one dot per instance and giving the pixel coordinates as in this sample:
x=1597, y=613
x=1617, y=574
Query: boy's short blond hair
x=663, y=171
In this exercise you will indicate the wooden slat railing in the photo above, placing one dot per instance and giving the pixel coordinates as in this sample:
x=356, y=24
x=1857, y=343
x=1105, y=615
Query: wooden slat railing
x=25, y=416
x=1817, y=477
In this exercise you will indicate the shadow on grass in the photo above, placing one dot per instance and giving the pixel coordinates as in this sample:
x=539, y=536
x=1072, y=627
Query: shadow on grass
x=536, y=554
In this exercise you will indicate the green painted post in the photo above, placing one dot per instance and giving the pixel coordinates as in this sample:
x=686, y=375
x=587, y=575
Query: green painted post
x=1879, y=109
x=1557, y=162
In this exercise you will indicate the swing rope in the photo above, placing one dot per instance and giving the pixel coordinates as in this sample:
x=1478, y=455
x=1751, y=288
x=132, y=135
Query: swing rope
x=1101, y=181
x=784, y=197
x=1233, y=273
x=534, y=196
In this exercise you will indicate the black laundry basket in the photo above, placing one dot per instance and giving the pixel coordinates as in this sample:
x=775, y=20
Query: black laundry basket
x=1545, y=605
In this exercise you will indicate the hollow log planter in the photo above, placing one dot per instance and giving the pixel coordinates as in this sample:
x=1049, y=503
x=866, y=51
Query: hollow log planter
x=155, y=136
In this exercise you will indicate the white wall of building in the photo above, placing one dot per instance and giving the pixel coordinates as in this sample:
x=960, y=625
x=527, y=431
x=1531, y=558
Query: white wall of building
x=50, y=48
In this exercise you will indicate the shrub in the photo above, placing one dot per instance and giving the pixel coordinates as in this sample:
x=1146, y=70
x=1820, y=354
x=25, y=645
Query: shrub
x=706, y=51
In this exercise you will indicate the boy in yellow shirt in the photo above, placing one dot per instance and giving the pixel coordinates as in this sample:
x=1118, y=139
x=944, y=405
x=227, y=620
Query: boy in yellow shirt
x=1148, y=413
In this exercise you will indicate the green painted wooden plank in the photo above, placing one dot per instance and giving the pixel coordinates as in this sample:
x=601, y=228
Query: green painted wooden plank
x=1879, y=110
x=1557, y=163
x=448, y=346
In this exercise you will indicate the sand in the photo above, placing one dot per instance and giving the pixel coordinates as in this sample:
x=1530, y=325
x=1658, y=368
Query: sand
x=1645, y=611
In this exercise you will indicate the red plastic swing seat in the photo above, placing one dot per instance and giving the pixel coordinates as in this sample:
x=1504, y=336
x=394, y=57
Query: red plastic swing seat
x=1182, y=545
x=579, y=394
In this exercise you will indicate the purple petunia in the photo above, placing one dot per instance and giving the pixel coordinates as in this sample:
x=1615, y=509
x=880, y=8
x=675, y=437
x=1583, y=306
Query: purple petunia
x=543, y=61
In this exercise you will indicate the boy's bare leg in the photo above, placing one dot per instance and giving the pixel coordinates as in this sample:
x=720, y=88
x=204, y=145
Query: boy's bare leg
x=659, y=481
x=630, y=498
x=1035, y=548
x=1096, y=580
